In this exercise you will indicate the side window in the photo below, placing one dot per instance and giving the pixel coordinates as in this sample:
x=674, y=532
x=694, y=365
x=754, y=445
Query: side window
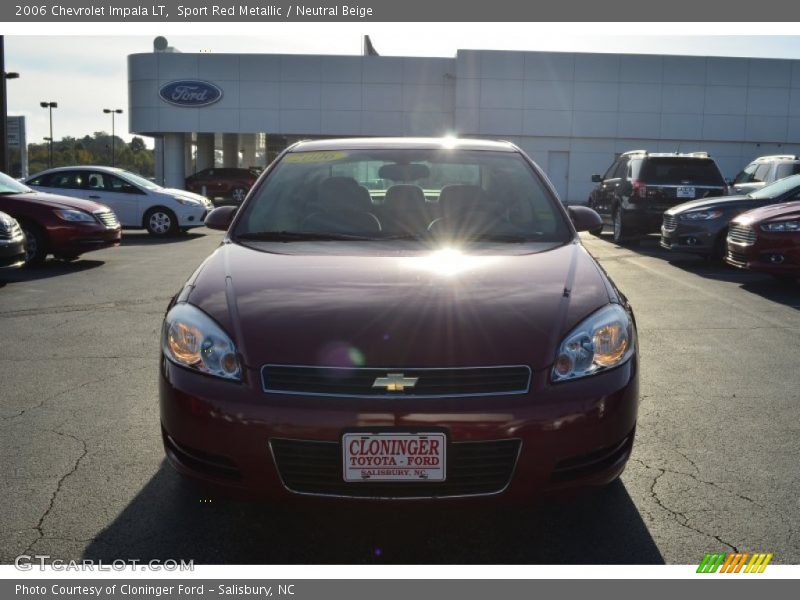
x=786, y=169
x=746, y=175
x=67, y=180
x=611, y=170
x=115, y=184
x=622, y=169
x=762, y=172
x=42, y=180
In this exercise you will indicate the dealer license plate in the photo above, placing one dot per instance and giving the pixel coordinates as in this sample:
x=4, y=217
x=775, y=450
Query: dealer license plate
x=685, y=192
x=394, y=456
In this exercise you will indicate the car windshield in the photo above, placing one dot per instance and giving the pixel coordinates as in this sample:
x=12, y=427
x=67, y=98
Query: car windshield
x=12, y=186
x=447, y=193
x=778, y=188
x=140, y=181
x=673, y=171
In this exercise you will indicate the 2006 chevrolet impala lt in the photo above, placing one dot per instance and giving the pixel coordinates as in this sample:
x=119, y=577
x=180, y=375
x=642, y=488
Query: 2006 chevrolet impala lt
x=400, y=319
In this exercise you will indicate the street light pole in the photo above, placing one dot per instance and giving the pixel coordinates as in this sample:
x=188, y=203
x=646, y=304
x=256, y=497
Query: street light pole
x=50, y=106
x=4, y=108
x=113, y=112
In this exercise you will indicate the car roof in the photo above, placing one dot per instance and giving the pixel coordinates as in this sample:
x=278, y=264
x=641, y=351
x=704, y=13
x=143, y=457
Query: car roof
x=777, y=158
x=81, y=167
x=397, y=143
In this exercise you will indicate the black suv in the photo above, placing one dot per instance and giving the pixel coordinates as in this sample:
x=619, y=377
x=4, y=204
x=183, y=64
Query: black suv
x=640, y=185
x=765, y=170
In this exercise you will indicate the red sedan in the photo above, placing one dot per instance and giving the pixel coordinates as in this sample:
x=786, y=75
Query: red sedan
x=450, y=339
x=767, y=240
x=58, y=225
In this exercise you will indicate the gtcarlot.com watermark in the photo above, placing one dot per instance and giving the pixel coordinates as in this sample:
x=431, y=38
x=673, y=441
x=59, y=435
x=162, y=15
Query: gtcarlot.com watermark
x=26, y=562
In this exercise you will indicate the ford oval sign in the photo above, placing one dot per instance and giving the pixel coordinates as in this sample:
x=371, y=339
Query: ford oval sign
x=190, y=92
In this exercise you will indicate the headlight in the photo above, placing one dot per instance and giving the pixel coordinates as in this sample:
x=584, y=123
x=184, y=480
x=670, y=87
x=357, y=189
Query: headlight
x=782, y=226
x=187, y=201
x=76, y=216
x=6, y=223
x=601, y=342
x=700, y=215
x=192, y=339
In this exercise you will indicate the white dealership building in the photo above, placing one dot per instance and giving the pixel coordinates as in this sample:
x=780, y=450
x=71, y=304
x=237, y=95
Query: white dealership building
x=572, y=112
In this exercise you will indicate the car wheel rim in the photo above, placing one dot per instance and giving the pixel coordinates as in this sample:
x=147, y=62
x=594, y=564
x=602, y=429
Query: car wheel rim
x=160, y=222
x=31, y=247
x=238, y=195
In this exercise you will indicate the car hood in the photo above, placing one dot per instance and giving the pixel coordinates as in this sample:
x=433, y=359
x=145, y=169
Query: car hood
x=785, y=210
x=183, y=194
x=58, y=201
x=722, y=202
x=398, y=308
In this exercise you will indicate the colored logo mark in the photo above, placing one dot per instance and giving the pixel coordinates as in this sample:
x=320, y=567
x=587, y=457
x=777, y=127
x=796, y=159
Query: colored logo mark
x=734, y=562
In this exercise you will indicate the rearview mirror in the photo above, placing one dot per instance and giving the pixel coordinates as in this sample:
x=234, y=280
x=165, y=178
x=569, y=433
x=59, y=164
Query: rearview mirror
x=584, y=218
x=221, y=218
x=597, y=178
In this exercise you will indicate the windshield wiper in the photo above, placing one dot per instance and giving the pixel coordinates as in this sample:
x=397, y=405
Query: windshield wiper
x=299, y=236
x=499, y=237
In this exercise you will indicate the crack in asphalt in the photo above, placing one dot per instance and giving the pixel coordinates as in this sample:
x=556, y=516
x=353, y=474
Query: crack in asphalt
x=678, y=517
x=54, y=310
x=67, y=391
x=39, y=526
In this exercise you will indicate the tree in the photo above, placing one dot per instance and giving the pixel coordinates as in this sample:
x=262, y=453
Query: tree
x=93, y=149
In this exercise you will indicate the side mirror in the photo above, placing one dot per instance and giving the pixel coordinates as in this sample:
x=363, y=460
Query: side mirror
x=584, y=218
x=221, y=218
x=597, y=178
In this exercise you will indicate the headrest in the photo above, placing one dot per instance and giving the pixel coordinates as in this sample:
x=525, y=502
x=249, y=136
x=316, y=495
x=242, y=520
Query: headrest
x=343, y=193
x=404, y=198
x=460, y=199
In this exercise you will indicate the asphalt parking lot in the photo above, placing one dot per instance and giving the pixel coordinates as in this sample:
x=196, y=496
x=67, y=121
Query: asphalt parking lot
x=714, y=466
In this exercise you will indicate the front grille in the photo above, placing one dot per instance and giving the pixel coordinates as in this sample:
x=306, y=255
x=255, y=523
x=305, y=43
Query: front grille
x=473, y=469
x=11, y=234
x=741, y=234
x=737, y=257
x=107, y=218
x=670, y=222
x=430, y=383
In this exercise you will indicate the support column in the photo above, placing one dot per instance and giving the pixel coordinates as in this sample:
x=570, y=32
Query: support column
x=248, y=144
x=174, y=163
x=188, y=162
x=230, y=150
x=205, y=151
x=158, y=159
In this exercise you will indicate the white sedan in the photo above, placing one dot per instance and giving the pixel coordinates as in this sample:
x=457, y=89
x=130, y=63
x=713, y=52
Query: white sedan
x=137, y=202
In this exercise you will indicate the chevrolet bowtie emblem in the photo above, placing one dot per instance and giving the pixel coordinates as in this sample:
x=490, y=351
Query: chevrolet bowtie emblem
x=395, y=382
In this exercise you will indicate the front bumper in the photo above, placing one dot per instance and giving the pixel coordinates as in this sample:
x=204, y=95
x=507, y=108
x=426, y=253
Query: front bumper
x=756, y=257
x=571, y=435
x=74, y=240
x=12, y=252
x=689, y=238
x=189, y=216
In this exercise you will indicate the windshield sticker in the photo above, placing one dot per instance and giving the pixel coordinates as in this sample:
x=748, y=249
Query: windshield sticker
x=315, y=157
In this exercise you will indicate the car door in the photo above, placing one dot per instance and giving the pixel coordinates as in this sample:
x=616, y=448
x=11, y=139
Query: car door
x=609, y=188
x=67, y=183
x=122, y=197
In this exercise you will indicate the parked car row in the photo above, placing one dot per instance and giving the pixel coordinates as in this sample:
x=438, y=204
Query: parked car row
x=229, y=184
x=686, y=198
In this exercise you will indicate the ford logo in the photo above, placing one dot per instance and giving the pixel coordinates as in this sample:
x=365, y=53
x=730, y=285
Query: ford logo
x=190, y=92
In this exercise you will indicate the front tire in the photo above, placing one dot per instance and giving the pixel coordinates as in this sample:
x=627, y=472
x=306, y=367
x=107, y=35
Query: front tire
x=621, y=231
x=160, y=222
x=36, y=247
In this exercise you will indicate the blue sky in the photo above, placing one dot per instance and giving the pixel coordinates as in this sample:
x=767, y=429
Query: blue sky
x=87, y=73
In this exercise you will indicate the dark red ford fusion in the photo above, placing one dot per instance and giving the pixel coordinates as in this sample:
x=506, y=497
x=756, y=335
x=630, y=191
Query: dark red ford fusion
x=446, y=336
x=767, y=240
